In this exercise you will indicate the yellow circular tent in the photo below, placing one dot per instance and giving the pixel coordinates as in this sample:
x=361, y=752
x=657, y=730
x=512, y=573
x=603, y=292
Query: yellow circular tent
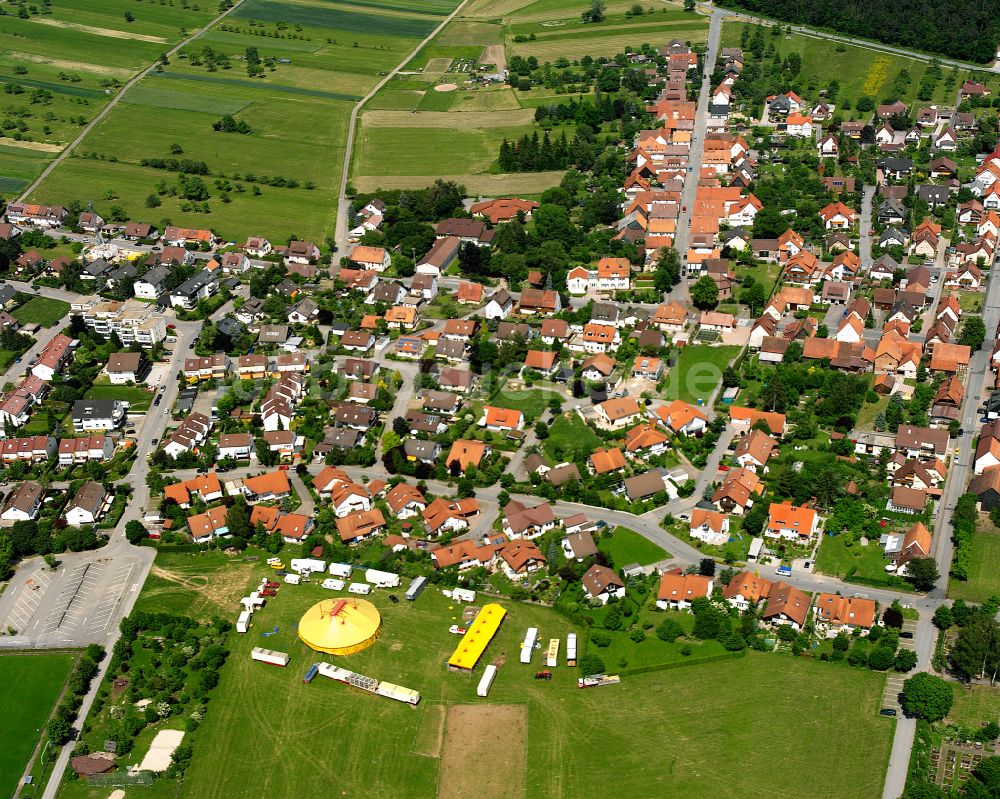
x=340, y=626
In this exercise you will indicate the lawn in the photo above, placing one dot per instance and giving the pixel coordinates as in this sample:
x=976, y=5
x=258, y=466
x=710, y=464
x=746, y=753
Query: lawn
x=569, y=434
x=858, y=69
x=698, y=372
x=970, y=301
x=33, y=685
x=41, y=311
x=983, y=569
x=627, y=546
x=863, y=564
x=531, y=402
x=975, y=705
x=139, y=399
x=179, y=583
x=267, y=733
x=868, y=412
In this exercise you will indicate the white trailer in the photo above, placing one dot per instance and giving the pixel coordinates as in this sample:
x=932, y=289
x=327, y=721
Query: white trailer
x=463, y=595
x=398, y=692
x=249, y=604
x=359, y=588
x=528, y=645
x=552, y=656
x=571, y=649
x=489, y=674
x=269, y=656
x=332, y=585
x=293, y=579
x=310, y=565
x=257, y=600
x=756, y=547
x=416, y=587
x=341, y=570
x=243, y=622
x=382, y=579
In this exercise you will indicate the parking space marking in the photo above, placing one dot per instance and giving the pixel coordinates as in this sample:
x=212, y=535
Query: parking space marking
x=30, y=598
x=104, y=612
x=69, y=610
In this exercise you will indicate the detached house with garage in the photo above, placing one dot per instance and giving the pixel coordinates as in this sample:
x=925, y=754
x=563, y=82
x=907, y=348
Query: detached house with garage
x=791, y=523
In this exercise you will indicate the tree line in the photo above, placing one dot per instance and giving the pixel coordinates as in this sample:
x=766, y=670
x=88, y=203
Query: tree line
x=964, y=29
x=529, y=154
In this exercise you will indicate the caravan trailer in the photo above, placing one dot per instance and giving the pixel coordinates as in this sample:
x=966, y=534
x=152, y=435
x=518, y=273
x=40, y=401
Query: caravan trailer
x=269, y=656
x=292, y=579
x=243, y=622
x=489, y=674
x=359, y=588
x=341, y=570
x=382, y=579
x=307, y=565
x=416, y=587
x=571, y=649
x=332, y=585
x=528, y=645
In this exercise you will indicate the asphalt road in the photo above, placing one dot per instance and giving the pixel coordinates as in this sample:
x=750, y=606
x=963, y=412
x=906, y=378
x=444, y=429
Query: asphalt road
x=683, y=237
x=341, y=229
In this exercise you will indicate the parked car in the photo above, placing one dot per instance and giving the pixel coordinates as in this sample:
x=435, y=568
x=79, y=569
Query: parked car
x=888, y=711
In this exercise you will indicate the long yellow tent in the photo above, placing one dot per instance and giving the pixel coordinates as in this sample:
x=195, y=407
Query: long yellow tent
x=477, y=637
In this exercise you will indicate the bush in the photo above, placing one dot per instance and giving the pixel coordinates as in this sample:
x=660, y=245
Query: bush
x=669, y=631
x=601, y=639
x=591, y=664
x=638, y=635
x=686, y=650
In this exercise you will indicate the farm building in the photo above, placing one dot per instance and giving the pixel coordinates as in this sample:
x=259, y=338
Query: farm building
x=340, y=626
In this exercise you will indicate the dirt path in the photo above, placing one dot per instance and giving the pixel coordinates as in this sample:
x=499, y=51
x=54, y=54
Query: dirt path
x=111, y=33
x=495, y=54
x=62, y=63
x=40, y=146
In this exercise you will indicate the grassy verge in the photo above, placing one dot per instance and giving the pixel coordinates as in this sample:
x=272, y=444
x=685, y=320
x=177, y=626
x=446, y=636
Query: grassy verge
x=627, y=546
x=41, y=311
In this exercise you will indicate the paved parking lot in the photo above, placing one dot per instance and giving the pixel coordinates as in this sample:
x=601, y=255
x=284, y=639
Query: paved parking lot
x=74, y=605
x=894, y=680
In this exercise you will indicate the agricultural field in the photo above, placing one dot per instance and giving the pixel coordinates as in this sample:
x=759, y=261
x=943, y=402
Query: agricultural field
x=265, y=65
x=859, y=70
x=268, y=733
x=445, y=124
x=39, y=679
x=62, y=64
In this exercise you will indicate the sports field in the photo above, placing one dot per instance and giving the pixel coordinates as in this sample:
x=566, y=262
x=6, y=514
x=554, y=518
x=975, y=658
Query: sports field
x=31, y=684
x=315, y=59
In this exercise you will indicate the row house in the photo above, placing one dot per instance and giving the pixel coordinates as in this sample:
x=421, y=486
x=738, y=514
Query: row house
x=31, y=449
x=87, y=448
x=189, y=435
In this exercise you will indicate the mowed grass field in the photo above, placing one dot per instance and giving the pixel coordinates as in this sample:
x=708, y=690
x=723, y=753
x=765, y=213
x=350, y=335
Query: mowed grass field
x=698, y=372
x=267, y=733
x=31, y=686
x=975, y=705
x=41, y=311
x=985, y=563
x=322, y=57
x=859, y=70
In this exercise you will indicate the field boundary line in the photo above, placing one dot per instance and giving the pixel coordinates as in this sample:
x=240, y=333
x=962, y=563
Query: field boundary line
x=33, y=186
x=340, y=228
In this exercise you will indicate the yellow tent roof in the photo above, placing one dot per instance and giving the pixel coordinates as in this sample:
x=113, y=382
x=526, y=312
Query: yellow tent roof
x=340, y=626
x=477, y=637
